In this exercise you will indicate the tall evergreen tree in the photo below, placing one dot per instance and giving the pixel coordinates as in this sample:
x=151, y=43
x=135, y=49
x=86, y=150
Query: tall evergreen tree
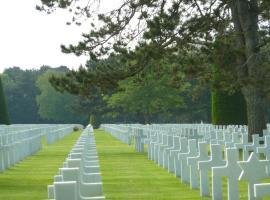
x=4, y=117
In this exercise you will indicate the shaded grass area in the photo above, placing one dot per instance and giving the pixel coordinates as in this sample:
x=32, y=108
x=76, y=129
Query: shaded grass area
x=128, y=175
x=28, y=179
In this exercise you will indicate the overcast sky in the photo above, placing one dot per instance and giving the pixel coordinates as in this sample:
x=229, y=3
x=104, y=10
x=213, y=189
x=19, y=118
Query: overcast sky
x=30, y=39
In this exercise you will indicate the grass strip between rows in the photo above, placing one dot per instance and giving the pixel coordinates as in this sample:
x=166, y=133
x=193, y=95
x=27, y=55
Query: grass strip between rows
x=28, y=179
x=128, y=175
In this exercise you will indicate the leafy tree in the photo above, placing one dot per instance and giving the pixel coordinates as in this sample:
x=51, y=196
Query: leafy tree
x=149, y=97
x=197, y=107
x=4, y=116
x=167, y=28
x=21, y=92
x=54, y=105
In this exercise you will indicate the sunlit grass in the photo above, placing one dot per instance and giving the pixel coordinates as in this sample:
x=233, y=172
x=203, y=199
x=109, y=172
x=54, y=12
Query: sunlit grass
x=128, y=175
x=28, y=179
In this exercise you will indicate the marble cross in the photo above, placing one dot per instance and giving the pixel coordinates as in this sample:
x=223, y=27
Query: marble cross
x=155, y=140
x=255, y=143
x=193, y=164
x=220, y=137
x=266, y=146
x=166, y=150
x=235, y=139
x=227, y=137
x=242, y=144
x=204, y=167
x=253, y=170
x=261, y=190
x=192, y=151
x=232, y=171
x=160, y=149
x=170, y=158
x=265, y=149
x=174, y=154
x=213, y=136
x=2, y=167
x=139, y=141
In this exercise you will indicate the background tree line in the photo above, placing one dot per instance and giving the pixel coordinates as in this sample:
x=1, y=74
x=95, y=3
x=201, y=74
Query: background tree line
x=31, y=99
x=146, y=98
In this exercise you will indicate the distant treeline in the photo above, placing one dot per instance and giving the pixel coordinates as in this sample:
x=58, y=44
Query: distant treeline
x=32, y=99
x=28, y=93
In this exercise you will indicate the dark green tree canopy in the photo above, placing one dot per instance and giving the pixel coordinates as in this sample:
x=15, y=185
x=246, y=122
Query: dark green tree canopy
x=193, y=34
x=196, y=27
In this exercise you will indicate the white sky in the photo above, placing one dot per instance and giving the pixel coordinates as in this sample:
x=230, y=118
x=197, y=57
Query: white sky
x=30, y=39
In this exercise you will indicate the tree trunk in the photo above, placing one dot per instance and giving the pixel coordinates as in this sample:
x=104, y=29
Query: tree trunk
x=256, y=110
x=249, y=69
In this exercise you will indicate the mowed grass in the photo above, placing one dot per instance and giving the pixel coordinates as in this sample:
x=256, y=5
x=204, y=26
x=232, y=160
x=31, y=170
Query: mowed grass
x=28, y=179
x=128, y=175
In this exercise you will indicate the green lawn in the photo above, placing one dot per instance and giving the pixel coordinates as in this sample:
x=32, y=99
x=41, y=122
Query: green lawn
x=28, y=179
x=128, y=175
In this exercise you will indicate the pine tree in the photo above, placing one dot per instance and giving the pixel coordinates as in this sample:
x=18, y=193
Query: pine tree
x=190, y=29
x=4, y=116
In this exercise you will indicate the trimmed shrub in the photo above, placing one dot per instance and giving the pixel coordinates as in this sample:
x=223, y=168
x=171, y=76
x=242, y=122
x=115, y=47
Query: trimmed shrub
x=76, y=128
x=93, y=121
x=4, y=116
x=228, y=109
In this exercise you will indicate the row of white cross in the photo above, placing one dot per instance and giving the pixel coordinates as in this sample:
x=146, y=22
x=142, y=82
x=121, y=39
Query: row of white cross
x=122, y=133
x=79, y=178
x=190, y=159
x=18, y=141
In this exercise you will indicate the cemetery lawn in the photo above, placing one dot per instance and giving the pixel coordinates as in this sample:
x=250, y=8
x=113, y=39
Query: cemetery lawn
x=128, y=175
x=28, y=179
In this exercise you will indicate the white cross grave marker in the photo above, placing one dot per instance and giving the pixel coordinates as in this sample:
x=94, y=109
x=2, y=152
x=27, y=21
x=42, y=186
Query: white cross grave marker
x=253, y=170
x=232, y=171
x=177, y=162
x=204, y=166
x=192, y=151
x=193, y=164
